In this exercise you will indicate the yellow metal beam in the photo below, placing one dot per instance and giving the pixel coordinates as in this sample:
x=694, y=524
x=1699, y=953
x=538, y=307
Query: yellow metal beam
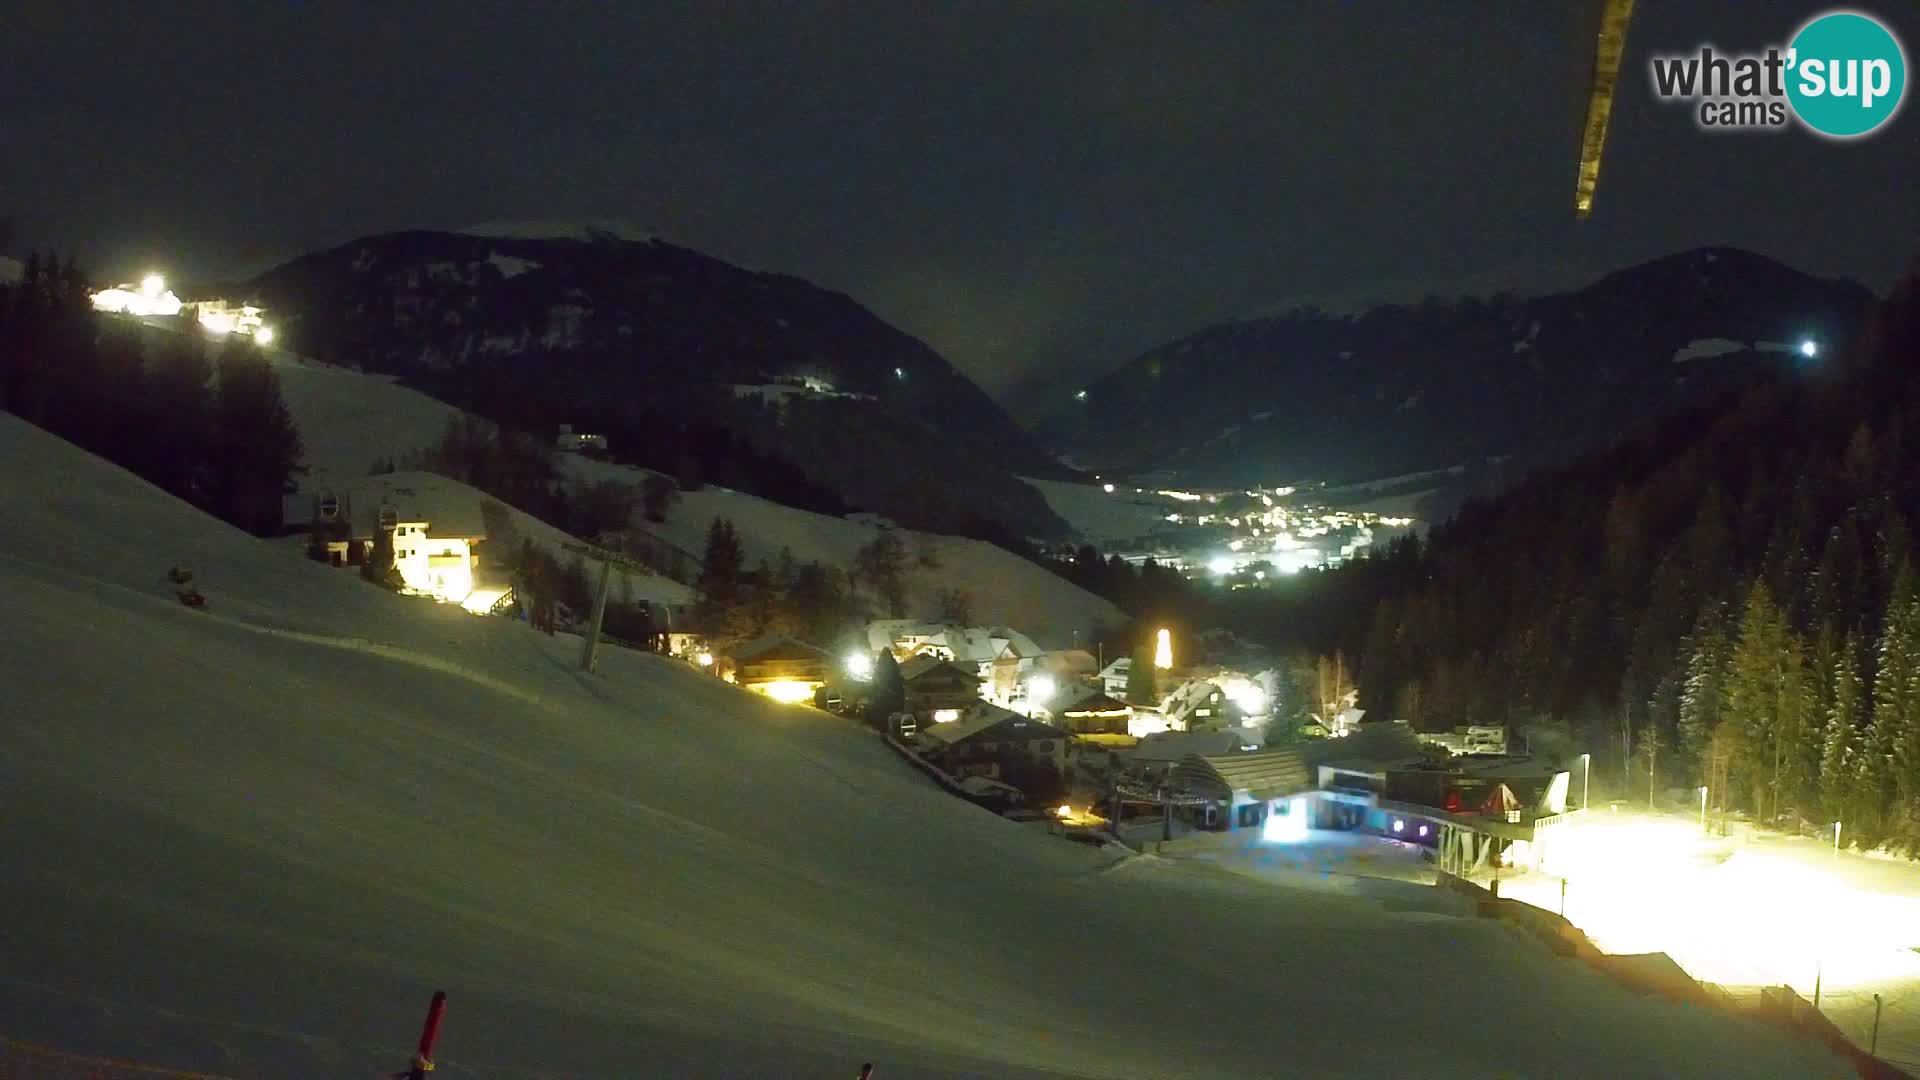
x=1606, y=75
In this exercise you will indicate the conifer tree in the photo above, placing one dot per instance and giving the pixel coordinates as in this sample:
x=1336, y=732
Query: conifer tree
x=1896, y=702
x=1838, y=764
x=257, y=448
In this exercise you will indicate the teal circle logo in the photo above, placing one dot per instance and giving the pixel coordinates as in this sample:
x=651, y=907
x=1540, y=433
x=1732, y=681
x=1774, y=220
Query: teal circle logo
x=1847, y=74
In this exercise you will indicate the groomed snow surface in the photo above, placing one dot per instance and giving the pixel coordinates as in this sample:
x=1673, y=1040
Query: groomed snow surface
x=252, y=840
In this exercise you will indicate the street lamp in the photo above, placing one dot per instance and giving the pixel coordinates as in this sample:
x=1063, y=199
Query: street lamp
x=1586, y=781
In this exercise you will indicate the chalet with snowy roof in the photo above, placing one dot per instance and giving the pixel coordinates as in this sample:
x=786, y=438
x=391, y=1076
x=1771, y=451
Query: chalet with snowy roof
x=778, y=667
x=1113, y=678
x=938, y=691
x=1240, y=791
x=988, y=740
x=435, y=538
x=1198, y=705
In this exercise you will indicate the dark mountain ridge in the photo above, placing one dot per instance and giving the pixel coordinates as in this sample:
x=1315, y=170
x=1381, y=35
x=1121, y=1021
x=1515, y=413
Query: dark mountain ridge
x=1312, y=396
x=537, y=331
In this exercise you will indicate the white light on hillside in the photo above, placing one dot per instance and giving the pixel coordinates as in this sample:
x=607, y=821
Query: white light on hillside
x=860, y=666
x=1809, y=348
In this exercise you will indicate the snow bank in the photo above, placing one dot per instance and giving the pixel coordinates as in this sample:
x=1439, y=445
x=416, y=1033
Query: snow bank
x=252, y=840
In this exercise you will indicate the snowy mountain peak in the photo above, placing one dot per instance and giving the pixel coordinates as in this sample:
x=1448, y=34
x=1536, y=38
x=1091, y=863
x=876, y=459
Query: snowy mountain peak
x=561, y=230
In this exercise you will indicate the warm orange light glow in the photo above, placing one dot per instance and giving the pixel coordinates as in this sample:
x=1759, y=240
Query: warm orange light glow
x=787, y=691
x=1163, y=649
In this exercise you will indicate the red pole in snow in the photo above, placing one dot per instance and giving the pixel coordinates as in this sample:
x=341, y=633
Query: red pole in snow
x=429, y=1032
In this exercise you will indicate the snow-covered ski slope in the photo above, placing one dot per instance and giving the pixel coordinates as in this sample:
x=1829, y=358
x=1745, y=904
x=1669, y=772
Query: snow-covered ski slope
x=348, y=419
x=252, y=840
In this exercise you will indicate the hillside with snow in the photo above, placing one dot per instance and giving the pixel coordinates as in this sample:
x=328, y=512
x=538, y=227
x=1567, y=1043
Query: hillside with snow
x=348, y=419
x=251, y=840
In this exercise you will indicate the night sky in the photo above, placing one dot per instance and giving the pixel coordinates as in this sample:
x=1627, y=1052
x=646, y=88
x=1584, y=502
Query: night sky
x=1039, y=189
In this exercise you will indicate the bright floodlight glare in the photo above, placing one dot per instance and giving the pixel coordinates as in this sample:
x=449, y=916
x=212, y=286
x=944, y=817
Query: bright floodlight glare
x=1040, y=688
x=1163, y=648
x=153, y=284
x=705, y=659
x=788, y=691
x=860, y=666
x=1289, y=827
x=1108, y=488
x=264, y=335
x=1398, y=825
x=1221, y=565
x=1809, y=348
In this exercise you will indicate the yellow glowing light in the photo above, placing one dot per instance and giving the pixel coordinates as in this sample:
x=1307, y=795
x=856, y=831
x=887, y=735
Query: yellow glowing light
x=945, y=716
x=788, y=691
x=705, y=659
x=1064, y=810
x=481, y=601
x=1163, y=649
x=153, y=285
x=264, y=335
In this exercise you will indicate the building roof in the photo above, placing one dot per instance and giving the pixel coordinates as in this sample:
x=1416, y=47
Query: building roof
x=968, y=644
x=1117, y=668
x=448, y=507
x=1189, y=696
x=1262, y=774
x=1081, y=698
x=1172, y=746
x=1076, y=662
x=925, y=664
x=776, y=647
x=991, y=723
